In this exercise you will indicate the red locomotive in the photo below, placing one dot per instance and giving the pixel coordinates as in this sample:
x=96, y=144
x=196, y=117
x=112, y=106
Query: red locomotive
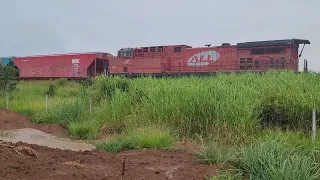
x=256, y=56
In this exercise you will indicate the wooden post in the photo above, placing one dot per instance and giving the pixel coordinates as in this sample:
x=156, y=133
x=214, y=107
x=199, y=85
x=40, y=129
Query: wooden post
x=7, y=100
x=314, y=125
x=47, y=97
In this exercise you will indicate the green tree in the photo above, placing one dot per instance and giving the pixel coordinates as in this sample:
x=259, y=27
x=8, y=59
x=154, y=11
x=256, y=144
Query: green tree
x=7, y=78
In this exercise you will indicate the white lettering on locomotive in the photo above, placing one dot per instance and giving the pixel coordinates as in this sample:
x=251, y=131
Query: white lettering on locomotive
x=203, y=58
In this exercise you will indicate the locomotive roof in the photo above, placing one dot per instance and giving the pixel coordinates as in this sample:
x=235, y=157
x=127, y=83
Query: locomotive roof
x=66, y=54
x=283, y=42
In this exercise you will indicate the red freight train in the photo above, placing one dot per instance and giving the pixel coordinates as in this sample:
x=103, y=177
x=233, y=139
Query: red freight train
x=71, y=66
x=171, y=60
x=256, y=56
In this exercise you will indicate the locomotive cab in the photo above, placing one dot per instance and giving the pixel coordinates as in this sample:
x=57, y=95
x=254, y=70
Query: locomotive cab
x=274, y=54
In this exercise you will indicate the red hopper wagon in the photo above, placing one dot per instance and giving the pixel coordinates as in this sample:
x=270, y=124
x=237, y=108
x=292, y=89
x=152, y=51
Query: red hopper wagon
x=70, y=66
x=256, y=56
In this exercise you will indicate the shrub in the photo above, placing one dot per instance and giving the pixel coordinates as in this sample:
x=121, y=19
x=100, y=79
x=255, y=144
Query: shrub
x=51, y=90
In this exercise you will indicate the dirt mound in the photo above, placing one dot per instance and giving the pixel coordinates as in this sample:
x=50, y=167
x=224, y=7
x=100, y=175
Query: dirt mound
x=10, y=120
x=23, y=161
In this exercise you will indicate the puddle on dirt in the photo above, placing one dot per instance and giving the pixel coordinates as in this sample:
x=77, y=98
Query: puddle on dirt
x=33, y=136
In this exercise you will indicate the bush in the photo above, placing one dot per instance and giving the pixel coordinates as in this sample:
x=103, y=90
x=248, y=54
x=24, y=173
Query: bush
x=7, y=78
x=51, y=90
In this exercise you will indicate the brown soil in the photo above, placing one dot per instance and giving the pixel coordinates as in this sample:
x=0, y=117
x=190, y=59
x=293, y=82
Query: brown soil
x=23, y=161
x=10, y=120
x=26, y=161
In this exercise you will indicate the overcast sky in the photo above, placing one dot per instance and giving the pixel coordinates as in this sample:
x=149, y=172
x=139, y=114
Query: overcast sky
x=29, y=27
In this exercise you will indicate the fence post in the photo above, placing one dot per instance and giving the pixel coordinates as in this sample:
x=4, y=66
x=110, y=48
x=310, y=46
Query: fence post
x=90, y=105
x=7, y=100
x=314, y=124
x=47, y=97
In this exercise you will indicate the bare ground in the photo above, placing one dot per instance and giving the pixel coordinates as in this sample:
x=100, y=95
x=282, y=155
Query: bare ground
x=29, y=161
x=10, y=120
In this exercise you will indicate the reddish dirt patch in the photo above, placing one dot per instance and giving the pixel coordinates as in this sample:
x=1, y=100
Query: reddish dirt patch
x=23, y=161
x=10, y=120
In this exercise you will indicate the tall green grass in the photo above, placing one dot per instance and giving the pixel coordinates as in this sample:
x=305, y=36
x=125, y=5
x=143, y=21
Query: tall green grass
x=228, y=107
x=273, y=158
x=146, y=137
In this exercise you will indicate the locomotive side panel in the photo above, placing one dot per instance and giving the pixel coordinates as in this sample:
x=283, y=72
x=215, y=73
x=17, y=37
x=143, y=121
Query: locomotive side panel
x=264, y=58
x=210, y=59
x=138, y=65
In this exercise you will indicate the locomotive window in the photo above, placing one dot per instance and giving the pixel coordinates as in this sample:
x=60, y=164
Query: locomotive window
x=152, y=49
x=275, y=50
x=282, y=64
x=177, y=49
x=271, y=61
x=258, y=51
x=159, y=49
x=249, y=60
x=145, y=49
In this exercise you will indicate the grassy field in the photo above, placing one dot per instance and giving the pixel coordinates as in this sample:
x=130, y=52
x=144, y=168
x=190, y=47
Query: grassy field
x=259, y=126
